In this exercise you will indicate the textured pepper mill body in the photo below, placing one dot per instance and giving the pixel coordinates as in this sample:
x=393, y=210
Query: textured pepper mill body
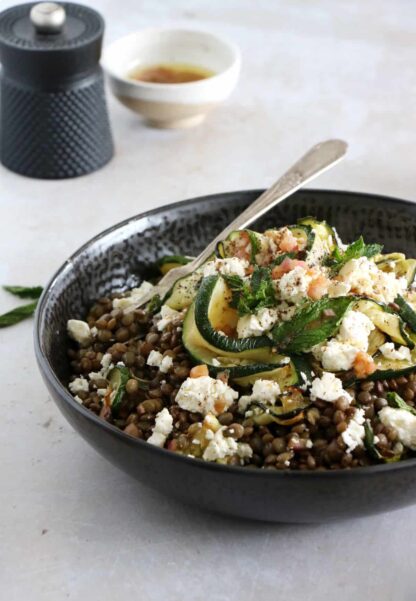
x=53, y=114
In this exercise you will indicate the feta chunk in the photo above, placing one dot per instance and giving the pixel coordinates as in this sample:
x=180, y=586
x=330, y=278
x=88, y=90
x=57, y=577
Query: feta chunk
x=355, y=329
x=353, y=436
x=339, y=353
x=79, y=331
x=135, y=297
x=106, y=366
x=162, y=428
x=168, y=316
x=106, y=361
x=229, y=266
x=249, y=325
x=78, y=385
x=166, y=364
x=336, y=289
x=403, y=422
x=263, y=321
x=205, y=395
x=335, y=355
x=220, y=447
x=402, y=353
x=366, y=278
x=267, y=391
x=293, y=286
x=328, y=388
x=156, y=359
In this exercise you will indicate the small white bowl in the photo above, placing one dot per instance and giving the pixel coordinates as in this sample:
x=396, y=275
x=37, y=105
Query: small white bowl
x=172, y=105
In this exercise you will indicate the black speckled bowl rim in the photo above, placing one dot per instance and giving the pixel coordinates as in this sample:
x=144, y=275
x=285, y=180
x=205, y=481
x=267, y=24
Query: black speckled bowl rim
x=62, y=391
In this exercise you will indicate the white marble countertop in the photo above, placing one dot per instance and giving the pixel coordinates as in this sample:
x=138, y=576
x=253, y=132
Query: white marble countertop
x=74, y=527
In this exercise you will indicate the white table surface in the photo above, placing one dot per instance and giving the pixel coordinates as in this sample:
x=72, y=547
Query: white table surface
x=71, y=525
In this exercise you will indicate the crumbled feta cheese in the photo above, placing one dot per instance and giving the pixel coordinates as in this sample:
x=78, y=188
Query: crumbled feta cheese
x=355, y=329
x=334, y=355
x=230, y=266
x=106, y=361
x=220, y=447
x=249, y=325
x=366, y=278
x=168, y=315
x=78, y=399
x=135, y=297
x=339, y=353
x=402, y=353
x=156, y=359
x=336, y=289
x=162, y=428
x=319, y=250
x=79, y=331
x=95, y=375
x=78, y=385
x=328, y=388
x=205, y=395
x=267, y=391
x=106, y=366
x=166, y=364
x=353, y=436
x=293, y=286
x=263, y=321
x=403, y=423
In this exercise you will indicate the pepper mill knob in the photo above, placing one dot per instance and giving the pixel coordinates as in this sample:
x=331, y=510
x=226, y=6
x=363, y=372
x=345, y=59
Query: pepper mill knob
x=48, y=17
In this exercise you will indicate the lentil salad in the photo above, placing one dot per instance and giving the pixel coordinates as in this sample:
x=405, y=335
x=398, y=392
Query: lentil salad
x=286, y=350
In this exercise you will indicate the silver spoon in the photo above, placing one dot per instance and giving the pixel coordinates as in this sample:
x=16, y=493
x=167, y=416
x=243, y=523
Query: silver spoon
x=317, y=160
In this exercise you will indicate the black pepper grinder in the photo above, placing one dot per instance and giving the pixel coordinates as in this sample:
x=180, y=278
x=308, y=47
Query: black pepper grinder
x=53, y=114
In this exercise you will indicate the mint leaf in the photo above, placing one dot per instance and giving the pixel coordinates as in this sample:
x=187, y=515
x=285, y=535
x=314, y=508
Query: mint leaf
x=280, y=258
x=369, y=442
x=396, y=401
x=314, y=322
x=24, y=291
x=16, y=315
x=250, y=296
x=355, y=250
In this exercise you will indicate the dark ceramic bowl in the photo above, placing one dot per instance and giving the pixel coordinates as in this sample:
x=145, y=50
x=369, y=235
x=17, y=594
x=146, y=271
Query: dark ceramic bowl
x=117, y=258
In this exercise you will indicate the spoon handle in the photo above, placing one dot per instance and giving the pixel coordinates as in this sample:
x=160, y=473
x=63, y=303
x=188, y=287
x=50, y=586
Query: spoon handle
x=317, y=160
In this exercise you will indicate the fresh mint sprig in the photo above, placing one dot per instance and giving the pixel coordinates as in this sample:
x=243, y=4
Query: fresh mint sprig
x=249, y=296
x=314, y=322
x=24, y=311
x=355, y=250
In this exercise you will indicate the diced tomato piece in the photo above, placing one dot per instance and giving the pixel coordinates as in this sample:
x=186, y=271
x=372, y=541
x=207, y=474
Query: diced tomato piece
x=288, y=243
x=318, y=287
x=243, y=250
x=219, y=406
x=285, y=266
x=363, y=365
x=198, y=371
